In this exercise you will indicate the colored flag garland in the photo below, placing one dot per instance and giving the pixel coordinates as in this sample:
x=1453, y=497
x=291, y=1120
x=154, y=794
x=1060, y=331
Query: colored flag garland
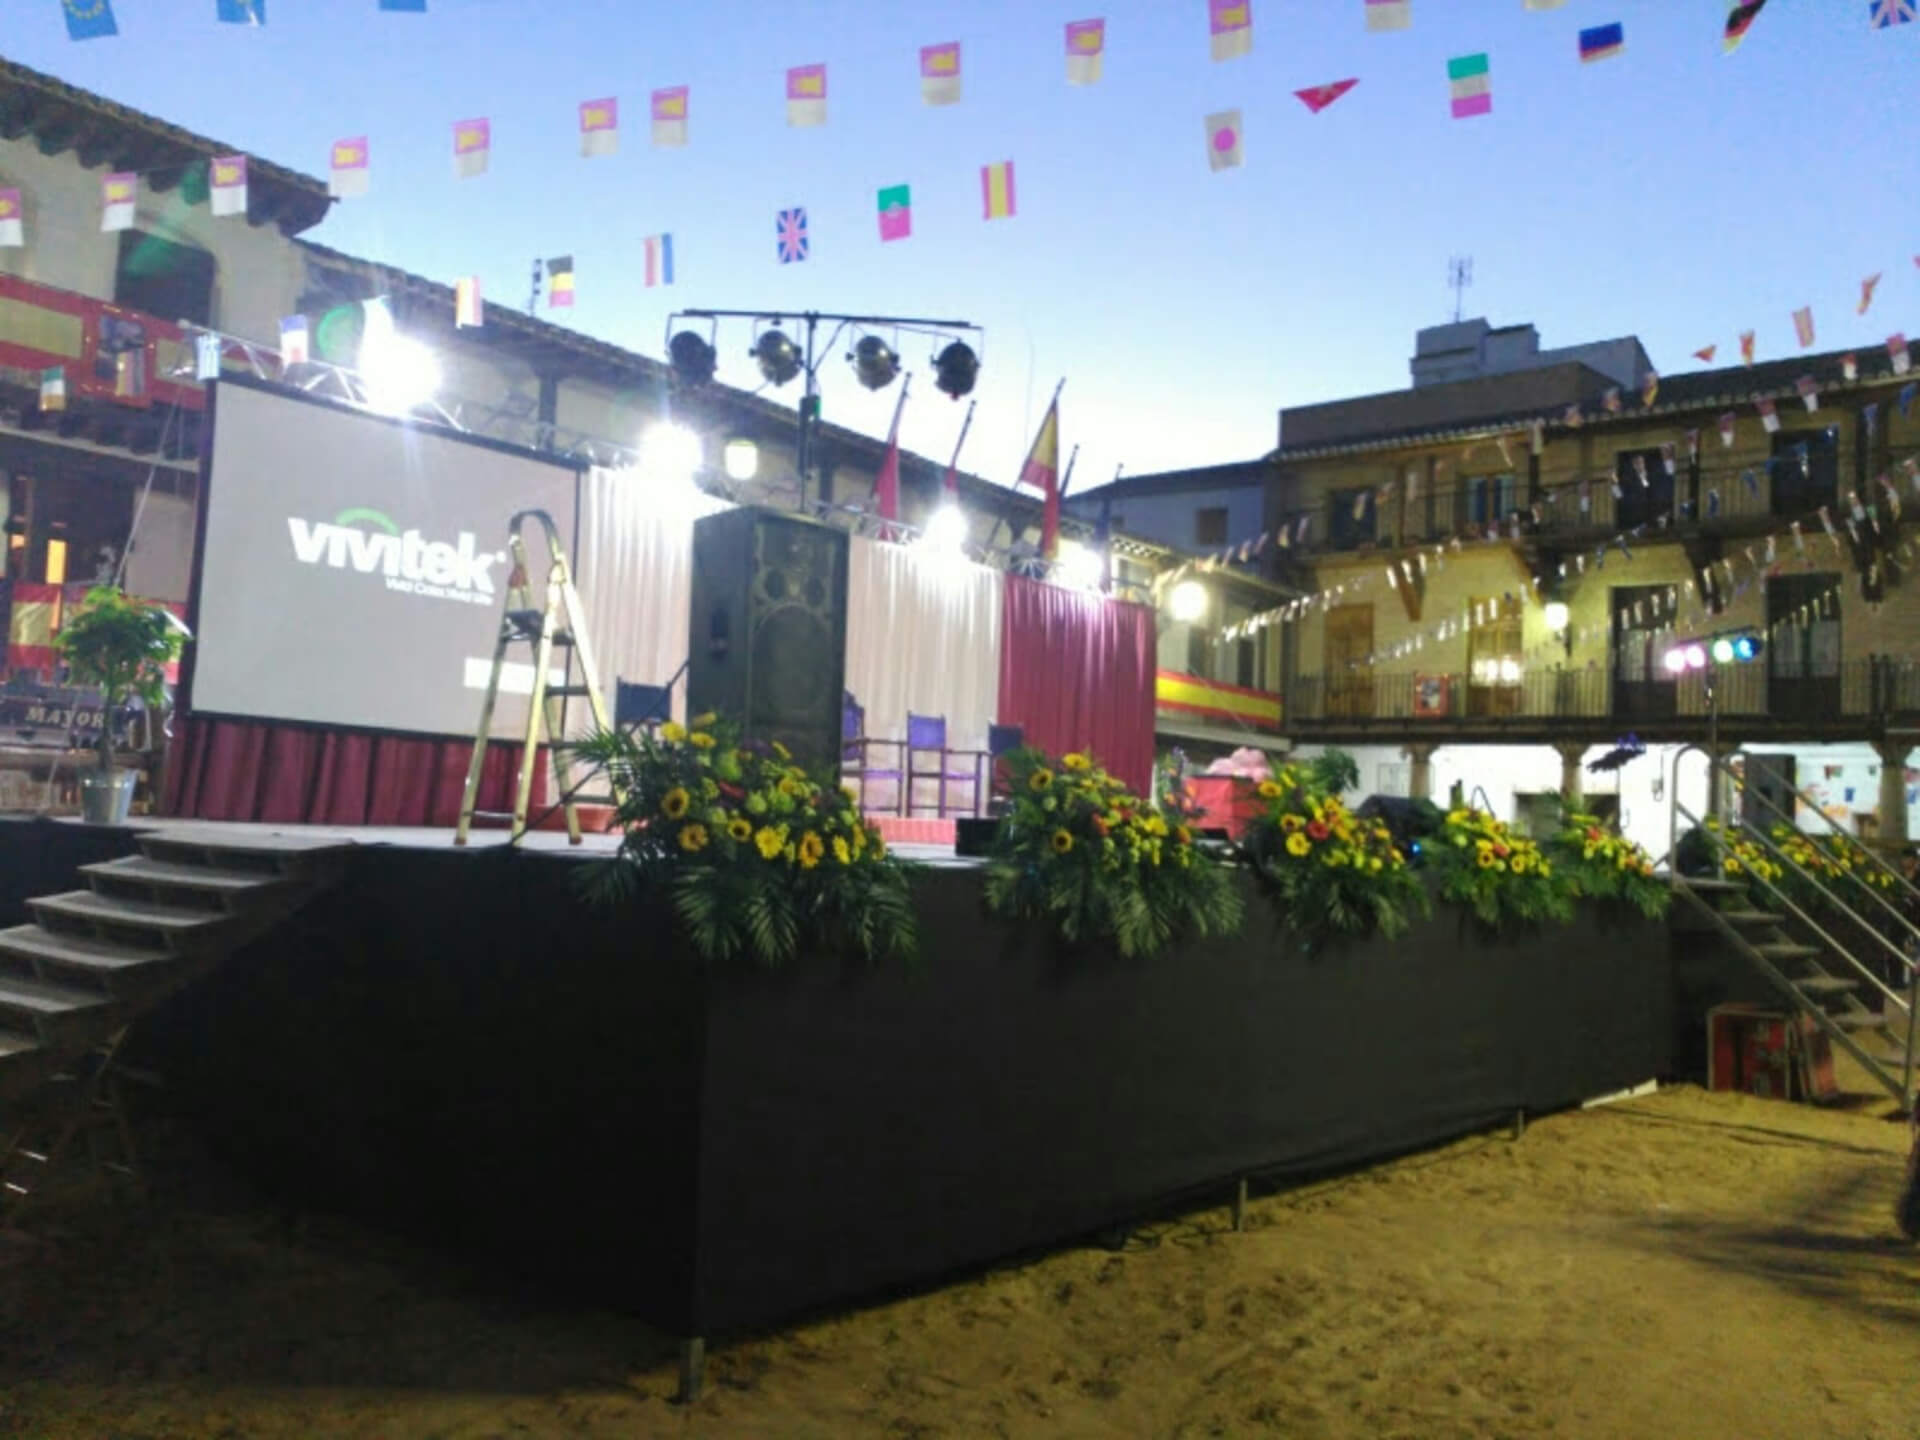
x=1739, y=20
x=119, y=193
x=895, y=204
x=1230, y=28
x=347, y=168
x=469, y=309
x=1318, y=97
x=807, y=96
x=1086, y=48
x=227, y=185
x=600, y=127
x=1867, y=287
x=560, y=283
x=242, y=12
x=997, y=199
x=1385, y=15
x=1803, y=325
x=1602, y=42
x=1224, y=140
x=294, y=349
x=1471, y=85
x=12, y=226
x=940, y=73
x=791, y=242
x=657, y=256
x=670, y=117
x=472, y=145
x=89, y=19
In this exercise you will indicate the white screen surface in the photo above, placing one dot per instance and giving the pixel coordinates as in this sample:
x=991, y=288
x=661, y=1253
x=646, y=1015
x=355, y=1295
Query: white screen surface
x=354, y=569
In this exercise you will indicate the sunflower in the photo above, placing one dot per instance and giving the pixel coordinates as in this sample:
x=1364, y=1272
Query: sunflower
x=1076, y=762
x=1298, y=844
x=1040, y=780
x=842, y=851
x=693, y=839
x=672, y=733
x=700, y=740
x=675, y=802
x=769, y=841
x=740, y=829
x=1486, y=860
x=810, y=851
x=1270, y=791
x=1291, y=823
x=1062, y=842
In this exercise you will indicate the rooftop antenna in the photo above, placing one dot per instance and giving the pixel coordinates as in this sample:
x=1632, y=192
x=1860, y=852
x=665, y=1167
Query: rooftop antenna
x=1459, y=277
x=533, y=299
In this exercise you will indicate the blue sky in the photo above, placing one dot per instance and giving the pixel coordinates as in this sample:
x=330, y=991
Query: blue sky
x=1671, y=193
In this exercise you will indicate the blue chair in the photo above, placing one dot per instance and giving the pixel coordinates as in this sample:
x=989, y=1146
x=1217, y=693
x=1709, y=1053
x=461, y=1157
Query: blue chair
x=927, y=736
x=636, y=706
x=856, y=758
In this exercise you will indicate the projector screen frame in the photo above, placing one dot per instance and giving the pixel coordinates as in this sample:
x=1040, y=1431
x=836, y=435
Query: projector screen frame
x=184, y=706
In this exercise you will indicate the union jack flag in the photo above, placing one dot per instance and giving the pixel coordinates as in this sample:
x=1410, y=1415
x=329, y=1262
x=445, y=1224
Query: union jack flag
x=792, y=232
x=1882, y=13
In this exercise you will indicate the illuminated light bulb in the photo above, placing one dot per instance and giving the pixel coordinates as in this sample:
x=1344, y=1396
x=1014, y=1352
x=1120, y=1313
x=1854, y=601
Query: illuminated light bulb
x=1188, y=602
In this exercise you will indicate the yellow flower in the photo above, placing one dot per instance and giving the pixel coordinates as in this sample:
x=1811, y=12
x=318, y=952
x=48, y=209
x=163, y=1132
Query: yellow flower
x=769, y=841
x=701, y=722
x=842, y=851
x=1291, y=823
x=781, y=750
x=700, y=740
x=1298, y=844
x=811, y=849
x=1486, y=860
x=1040, y=780
x=1546, y=869
x=1732, y=866
x=672, y=733
x=1269, y=790
x=1062, y=842
x=1374, y=864
x=674, y=803
x=879, y=845
x=1076, y=762
x=693, y=838
x=740, y=829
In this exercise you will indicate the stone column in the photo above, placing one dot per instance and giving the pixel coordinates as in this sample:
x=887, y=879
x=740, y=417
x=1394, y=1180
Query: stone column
x=1420, y=780
x=1893, y=794
x=1571, y=752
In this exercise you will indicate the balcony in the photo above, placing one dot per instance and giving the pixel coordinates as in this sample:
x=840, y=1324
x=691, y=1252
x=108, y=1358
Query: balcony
x=1860, y=701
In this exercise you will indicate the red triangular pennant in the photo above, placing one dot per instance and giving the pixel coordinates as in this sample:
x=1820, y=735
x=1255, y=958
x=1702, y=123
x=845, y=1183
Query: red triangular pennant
x=1317, y=97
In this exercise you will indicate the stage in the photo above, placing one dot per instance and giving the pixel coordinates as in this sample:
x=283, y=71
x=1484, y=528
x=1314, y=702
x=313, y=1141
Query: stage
x=457, y=1042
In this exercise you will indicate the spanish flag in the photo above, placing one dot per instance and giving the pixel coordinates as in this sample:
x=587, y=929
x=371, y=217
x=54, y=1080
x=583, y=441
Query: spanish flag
x=1042, y=472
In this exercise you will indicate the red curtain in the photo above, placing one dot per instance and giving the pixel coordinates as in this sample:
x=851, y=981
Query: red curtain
x=294, y=775
x=1076, y=672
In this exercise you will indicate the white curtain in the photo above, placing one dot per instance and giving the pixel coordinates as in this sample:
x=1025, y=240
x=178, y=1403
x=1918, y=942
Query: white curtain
x=923, y=634
x=636, y=576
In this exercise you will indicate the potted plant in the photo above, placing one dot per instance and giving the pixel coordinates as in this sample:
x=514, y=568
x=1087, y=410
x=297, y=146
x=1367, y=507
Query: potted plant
x=123, y=646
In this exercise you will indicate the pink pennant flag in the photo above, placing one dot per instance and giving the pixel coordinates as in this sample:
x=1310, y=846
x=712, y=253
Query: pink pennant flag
x=600, y=127
x=807, y=96
x=1086, y=48
x=1231, y=24
x=227, y=185
x=1867, y=287
x=347, y=169
x=1767, y=416
x=940, y=73
x=670, y=117
x=119, y=193
x=1706, y=353
x=472, y=145
x=1803, y=325
x=1897, y=352
x=1727, y=422
x=1809, y=392
x=1317, y=97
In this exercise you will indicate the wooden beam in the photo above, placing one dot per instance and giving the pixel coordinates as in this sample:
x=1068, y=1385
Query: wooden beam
x=16, y=120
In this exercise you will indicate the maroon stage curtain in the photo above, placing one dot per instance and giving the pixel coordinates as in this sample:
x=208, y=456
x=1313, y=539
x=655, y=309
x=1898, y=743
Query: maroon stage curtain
x=1077, y=673
x=299, y=775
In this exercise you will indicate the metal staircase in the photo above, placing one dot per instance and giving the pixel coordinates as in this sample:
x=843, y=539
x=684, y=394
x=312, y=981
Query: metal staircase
x=97, y=959
x=1793, y=945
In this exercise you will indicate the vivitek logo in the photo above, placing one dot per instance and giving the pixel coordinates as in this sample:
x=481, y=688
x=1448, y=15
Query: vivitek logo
x=369, y=542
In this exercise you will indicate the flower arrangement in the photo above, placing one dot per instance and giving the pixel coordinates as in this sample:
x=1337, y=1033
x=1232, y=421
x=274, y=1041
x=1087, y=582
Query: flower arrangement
x=1326, y=871
x=755, y=856
x=1833, y=860
x=1077, y=849
x=1739, y=857
x=1603, y=864
x=1501, y=876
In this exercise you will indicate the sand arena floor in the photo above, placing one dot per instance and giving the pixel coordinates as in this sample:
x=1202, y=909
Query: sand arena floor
x=1684, y=1265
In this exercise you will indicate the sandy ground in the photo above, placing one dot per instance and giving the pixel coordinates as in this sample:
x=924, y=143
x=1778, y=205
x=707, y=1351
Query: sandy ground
x=1683, y=1265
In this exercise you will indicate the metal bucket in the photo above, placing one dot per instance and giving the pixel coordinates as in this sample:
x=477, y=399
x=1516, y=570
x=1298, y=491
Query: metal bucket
x=106, y=796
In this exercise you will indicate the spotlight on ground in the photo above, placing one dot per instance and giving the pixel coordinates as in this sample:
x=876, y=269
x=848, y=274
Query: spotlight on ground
x=777, y=356
x=692, y=359
x=874, y=363
x=955, y=369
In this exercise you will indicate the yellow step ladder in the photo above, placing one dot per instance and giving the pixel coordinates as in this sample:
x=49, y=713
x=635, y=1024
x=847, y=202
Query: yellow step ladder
x=558, y=622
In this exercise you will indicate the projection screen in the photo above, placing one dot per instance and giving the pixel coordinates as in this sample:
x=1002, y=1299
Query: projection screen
x=353, y=568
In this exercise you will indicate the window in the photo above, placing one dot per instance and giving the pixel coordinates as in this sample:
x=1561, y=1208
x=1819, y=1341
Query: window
x=1199, y=652
x=1495, y=661
x=1210, y=525
x=1804, y=481
x=1643, y=687
x=167, y=281
x=1488, y=500
x=1803, y=646
x=1245, y=673
x=1646, y=489
x=1355, y=518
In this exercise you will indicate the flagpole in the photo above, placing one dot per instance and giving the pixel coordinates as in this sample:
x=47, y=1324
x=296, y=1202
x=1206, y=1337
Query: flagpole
x=953, y=466
x=893, y=445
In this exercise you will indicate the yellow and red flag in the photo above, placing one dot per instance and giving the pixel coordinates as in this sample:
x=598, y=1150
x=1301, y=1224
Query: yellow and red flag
x=1042, y=472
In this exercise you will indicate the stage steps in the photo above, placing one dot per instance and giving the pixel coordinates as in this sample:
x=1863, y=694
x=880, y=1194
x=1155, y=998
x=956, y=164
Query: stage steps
x=94, y=960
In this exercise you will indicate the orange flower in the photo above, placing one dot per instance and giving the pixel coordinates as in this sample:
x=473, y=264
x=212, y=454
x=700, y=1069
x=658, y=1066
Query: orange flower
x=1317, y=830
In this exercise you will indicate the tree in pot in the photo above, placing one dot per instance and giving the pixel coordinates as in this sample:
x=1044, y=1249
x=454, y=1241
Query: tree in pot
x=123, y=646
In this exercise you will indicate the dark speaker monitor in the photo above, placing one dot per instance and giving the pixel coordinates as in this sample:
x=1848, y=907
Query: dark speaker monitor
x=768, y=636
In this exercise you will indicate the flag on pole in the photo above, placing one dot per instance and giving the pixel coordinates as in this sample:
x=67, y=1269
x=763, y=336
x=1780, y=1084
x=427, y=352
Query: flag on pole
x=1086, y=49
x=119, y=193
x=1471, y=85
x=886, y=485
x=1867, y=287
x=12, y=227
x=1896, y=351
x=1042, y=471
x=1803, y=325
x=89, y=19
x=940, y=73
x=53, y=388
x=1706, y=353
x=1650, y=389
x=1767, y=416
x=1389, y=14
x=658, y=250
x=952, y=483
x=242, y=12
x=670, y=117
x=347, y=168
x=807, y=96
x=294, y=349
x=600, y=126
x=896, y=212
x=1602, y=42
x=996, y=191
x=1223, y=140
x=560, y=283
x=469, y=309
x=1317, y=97
x=227, y=185
x=1746, y=348
x=1739, y=18
x=1231, y=24
x=790, y=235
x=472, y=145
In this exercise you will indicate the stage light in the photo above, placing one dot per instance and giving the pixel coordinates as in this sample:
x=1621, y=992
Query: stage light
x=1078, y=566
x=1723, y=651
x=1676, y=660
x=777, y=356
x=955, y=369
x=398, y=371
x=741, y=458
x=1187, y=602
x=1558, y=616
x=671, y=454
x=692, y=359
x=1696, y=657
x=1746, y=647
x=874, y=363
x=946, y=530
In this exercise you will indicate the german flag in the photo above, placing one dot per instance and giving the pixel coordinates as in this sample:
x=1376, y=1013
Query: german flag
x=560, y=283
